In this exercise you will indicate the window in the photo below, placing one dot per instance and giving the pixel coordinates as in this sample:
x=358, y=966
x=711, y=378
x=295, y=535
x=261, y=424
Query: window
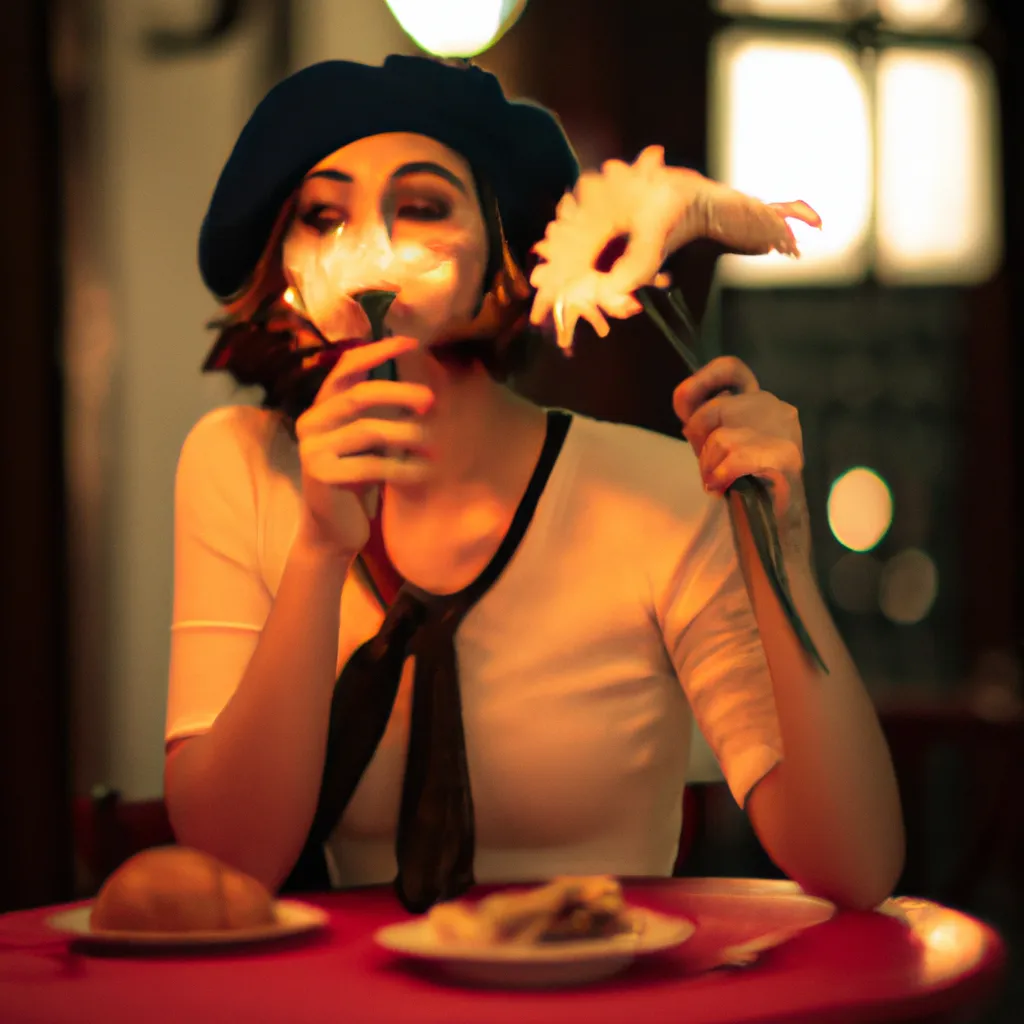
x=891, y=136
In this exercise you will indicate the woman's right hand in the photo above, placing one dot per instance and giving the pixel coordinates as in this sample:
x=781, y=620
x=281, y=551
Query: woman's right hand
x=348, y=448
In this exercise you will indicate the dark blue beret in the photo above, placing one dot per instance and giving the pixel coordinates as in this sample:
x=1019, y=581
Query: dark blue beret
x=518, y=148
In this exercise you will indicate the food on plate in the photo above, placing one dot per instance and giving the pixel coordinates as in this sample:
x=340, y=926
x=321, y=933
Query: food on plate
x=176, y=889
x=568, y=908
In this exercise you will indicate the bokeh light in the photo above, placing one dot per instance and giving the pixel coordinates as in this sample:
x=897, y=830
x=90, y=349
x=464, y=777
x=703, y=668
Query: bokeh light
x=456, y=28
x=908, y=587
x=859, y=509
x=853, y=582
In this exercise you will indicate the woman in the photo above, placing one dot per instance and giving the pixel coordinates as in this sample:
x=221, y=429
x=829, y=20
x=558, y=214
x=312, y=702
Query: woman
x=571, y=589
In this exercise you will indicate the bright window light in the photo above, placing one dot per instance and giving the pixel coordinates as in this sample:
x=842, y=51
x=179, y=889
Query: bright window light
x=790, y=120
x=939, y=204
x=913, y=15
x=455, y=28
x=830, y=10
x=926, y=15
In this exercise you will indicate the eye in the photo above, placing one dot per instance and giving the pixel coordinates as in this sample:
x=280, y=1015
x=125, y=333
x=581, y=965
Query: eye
x=423, y=210
x=322, y=218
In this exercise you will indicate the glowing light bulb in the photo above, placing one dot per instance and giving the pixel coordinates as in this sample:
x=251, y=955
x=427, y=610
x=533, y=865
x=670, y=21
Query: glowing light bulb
x=859, y=509
x=456, y=28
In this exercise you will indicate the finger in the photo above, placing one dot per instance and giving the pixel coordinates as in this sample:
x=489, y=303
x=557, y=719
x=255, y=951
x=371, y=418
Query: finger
x=721, y=444
x=726, y=373
x=798, y=210
x=707, y=418
x=360, y=470
x=365, y=435
x=751, y=462
x=338, y=409
x=406, y=396
x=756, y=410
x=362, y=358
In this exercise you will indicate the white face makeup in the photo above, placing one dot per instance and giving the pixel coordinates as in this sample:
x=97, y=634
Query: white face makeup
x=395, y=212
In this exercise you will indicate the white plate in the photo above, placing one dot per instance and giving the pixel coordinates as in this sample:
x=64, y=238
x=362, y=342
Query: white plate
x=544, y=965
x=292, y=918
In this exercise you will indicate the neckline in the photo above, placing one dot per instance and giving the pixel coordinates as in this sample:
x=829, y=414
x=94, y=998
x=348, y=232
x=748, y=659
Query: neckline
x=556, y=431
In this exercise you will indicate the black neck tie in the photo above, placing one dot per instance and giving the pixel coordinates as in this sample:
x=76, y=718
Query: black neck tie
x=436, y=833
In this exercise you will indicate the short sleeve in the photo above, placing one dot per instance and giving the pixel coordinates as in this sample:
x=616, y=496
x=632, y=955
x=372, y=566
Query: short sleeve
x=712, y=637
x=220, y=600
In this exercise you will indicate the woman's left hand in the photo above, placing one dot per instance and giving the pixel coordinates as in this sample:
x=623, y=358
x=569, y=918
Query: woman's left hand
x=736, y=429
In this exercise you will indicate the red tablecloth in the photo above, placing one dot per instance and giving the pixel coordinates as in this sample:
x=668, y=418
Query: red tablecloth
x=854, y=967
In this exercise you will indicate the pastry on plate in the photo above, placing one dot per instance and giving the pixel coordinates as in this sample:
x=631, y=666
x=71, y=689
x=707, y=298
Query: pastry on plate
x=176, y=889
x=569, y=908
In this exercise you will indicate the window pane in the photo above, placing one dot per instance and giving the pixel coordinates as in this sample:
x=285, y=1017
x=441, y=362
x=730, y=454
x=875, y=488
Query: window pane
x=939, y=198
x=789, y=120
x=828, y=10
x=928, y=15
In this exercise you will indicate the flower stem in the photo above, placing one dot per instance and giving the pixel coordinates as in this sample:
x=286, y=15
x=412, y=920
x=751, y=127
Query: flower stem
x=754, y=499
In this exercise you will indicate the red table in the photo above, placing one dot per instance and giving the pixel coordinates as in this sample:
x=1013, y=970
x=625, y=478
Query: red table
x=853, y=967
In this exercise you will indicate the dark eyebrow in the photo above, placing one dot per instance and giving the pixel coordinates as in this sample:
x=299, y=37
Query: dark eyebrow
x=429, y=167
x=331, y=176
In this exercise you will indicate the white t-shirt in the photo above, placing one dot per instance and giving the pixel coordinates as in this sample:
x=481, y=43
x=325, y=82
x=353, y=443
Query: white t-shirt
x=622, y=609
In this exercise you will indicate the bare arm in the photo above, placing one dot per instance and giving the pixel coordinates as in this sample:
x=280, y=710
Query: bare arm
x=246, y=790
x=829, y=814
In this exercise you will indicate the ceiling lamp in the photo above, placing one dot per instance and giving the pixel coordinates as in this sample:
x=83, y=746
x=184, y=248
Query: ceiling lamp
x=456, y=28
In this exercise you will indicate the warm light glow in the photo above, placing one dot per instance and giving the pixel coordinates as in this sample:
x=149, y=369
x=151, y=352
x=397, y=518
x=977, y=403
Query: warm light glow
x=859, y=509
x=951, y=943
x=932, y=15
x=909, y=586
x=456, y=28
x=789, y=120
x=939, y=200
x=830, y=10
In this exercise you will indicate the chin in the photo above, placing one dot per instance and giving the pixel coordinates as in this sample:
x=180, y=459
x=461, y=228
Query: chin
x=459, y=355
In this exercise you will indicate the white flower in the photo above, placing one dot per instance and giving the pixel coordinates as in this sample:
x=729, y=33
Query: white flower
x=657, y=209
x=325, y=272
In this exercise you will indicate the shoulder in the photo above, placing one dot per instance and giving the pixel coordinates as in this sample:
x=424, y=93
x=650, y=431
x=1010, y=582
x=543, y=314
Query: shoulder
x=230, y=437
x=643, y=466
x=231, y=452
x=240, y=429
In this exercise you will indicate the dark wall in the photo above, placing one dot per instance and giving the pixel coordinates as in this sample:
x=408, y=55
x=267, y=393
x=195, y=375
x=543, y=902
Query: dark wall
x=35, y=851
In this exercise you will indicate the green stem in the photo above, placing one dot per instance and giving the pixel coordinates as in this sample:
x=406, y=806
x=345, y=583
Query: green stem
x=754, y=498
